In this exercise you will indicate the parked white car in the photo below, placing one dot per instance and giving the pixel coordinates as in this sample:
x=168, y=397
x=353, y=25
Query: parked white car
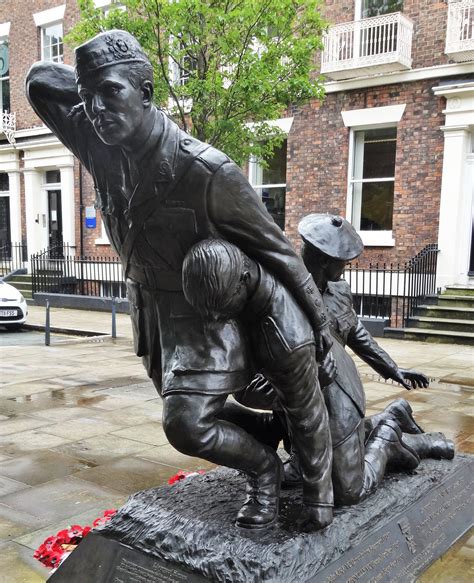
x=13, y=308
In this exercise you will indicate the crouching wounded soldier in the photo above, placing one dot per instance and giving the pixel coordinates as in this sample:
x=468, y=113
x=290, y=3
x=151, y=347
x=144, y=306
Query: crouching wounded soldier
x=221, y=282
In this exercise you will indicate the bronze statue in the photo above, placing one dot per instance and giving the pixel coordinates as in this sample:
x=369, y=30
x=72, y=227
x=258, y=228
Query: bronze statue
x=221, y=282
x=160, y=191
x=363, y=447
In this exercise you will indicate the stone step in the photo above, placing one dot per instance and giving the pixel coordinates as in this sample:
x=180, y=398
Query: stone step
x=457, y=290
x=456, y=325
x=14, y=279
x=439, y=336
x=450, y=312
x=458, y=301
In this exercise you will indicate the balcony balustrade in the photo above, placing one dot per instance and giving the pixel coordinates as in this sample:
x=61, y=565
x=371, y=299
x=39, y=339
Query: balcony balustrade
x=365, y=47
x=460, y=30
x=8, y=125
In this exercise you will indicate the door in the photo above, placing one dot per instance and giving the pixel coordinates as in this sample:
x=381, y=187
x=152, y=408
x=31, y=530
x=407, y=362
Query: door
x=4, y=221
x=55, y=224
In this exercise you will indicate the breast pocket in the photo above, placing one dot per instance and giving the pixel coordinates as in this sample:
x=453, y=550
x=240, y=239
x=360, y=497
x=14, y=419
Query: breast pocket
x=170, y=232
x=344, y=324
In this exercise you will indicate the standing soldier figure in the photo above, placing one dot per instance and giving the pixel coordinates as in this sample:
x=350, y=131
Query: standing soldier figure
x=160, y=191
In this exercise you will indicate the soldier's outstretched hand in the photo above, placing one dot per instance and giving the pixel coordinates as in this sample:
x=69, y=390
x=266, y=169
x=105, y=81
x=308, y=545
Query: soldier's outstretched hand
x=411, y=379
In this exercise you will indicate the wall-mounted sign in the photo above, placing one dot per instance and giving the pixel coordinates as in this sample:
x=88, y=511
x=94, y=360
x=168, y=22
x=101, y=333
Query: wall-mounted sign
x=3, y=59
x=91, y=221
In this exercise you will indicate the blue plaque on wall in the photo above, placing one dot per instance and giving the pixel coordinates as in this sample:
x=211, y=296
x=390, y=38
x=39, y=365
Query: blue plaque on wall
x=91, y=219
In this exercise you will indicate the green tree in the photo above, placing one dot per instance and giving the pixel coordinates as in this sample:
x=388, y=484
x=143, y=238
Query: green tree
x=238, y=61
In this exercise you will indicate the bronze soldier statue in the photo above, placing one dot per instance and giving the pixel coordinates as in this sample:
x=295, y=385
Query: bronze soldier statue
x=363, y=447
x=160, y=191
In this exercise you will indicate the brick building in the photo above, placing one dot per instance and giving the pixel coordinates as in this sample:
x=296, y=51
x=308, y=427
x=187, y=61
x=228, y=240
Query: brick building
x=391, y=147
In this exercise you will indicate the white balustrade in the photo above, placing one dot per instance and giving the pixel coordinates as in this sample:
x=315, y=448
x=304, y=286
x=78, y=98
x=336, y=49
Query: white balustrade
x=371, y=45
x=460, y=30
x=8, y=125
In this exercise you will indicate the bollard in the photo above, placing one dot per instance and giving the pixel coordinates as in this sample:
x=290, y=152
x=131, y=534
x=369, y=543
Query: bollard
x=114, y=319
x=47, y=329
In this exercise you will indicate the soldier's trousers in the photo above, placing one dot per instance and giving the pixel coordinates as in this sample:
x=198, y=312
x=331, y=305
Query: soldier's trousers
x=295, y=382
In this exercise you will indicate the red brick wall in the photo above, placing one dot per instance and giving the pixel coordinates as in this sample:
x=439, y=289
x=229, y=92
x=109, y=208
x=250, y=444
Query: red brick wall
x=318, y=147
x=25, y=47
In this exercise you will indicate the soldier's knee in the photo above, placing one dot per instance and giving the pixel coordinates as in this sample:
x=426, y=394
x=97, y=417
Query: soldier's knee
x=184, y=426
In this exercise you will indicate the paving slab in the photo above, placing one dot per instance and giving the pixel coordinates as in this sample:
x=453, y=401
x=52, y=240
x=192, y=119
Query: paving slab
x=60, y=499
x=128, y=475
x=18, y=566
x=102, y=448
x=41, y=467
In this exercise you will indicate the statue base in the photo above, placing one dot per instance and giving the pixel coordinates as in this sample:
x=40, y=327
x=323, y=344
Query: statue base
x=186, y=533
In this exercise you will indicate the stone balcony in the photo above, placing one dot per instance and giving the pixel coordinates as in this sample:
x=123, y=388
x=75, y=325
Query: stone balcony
x=369, y=46
x=460, y=30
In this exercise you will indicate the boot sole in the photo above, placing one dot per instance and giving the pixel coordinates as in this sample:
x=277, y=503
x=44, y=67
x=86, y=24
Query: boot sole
x=257, y=526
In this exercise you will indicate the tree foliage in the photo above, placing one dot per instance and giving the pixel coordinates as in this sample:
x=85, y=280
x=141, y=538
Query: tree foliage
x=243, y=61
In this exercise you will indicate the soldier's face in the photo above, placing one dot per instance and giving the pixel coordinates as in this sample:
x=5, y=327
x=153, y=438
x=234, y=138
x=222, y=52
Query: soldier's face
x=114, y=106
x=334, y=269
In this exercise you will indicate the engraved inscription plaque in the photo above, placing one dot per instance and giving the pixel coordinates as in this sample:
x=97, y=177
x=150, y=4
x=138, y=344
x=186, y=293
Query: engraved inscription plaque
x=409, y=543
x=104, y=560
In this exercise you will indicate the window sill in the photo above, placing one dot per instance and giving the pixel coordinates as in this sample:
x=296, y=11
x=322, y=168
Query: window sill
x=102, y=242
x=377, y=238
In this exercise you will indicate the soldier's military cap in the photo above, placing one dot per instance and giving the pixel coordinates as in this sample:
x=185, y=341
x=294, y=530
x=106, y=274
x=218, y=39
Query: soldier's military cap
x=113, y=47
x=332, y=235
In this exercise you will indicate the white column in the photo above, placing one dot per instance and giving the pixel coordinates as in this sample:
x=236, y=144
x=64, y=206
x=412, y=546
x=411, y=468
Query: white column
x=36, y=212
x=68, y=205
x=15, y=206
x=455, y=208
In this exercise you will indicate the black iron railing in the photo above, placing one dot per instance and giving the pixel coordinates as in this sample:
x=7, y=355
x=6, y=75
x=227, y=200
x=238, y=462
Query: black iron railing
x=393, y=290
x=13, y=256
x=58, y=270
x=381, y=290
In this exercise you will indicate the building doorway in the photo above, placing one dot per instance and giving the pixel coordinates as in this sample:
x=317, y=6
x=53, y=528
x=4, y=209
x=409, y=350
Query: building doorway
x=5, y=234
x=55, y=224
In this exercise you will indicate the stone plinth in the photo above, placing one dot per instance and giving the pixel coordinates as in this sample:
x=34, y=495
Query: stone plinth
x=186, y=532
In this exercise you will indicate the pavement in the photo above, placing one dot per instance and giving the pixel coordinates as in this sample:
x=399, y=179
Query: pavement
x=80, y=429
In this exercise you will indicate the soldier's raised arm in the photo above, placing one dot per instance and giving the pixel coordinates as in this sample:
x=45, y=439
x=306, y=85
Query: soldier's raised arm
x=51, y=90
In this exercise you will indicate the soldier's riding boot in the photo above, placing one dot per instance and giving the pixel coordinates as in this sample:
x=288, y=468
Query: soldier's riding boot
x=292, y=477
x=399, y=411
x=260, y=509
x=384, y=450
x=430, y=445
x=265, y=427
x=302, y=402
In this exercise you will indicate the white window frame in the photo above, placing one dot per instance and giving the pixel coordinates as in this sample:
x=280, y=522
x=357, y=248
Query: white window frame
x=47, y=18
x=255, y=170
x=103, y=239
x=365, y=119
x=43, y=34
x=358, y=9
x=108, y=5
